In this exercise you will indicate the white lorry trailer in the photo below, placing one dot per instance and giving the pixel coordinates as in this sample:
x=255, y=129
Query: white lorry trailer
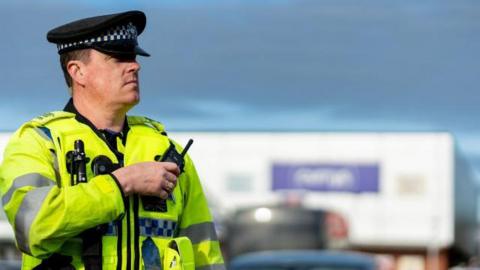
x=409, y=196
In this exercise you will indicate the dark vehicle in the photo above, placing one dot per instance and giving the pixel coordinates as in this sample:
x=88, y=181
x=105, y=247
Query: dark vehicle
x=303, y=260
x=10, y=265
x=278, y=227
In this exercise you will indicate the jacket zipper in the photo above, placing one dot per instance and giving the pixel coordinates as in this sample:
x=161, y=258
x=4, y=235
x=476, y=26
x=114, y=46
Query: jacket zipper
x=129, y=259
x=136, y=241
x=119, y=245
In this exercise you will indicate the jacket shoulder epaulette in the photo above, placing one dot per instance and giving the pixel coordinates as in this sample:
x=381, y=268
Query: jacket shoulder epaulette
x=46, y=118
x=39, y=123
x=145, y=121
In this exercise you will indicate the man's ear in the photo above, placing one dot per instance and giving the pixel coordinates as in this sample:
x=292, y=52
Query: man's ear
x=77, y=70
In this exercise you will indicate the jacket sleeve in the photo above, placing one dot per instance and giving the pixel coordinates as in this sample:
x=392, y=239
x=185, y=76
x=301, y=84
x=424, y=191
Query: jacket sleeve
x=197, y=224
x=43, y=214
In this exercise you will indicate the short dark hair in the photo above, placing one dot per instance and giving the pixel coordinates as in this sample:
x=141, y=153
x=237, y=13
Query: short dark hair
x=82, y=55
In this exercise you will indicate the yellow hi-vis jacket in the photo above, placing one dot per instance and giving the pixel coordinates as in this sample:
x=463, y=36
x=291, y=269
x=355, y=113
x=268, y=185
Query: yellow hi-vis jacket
x=48, y=213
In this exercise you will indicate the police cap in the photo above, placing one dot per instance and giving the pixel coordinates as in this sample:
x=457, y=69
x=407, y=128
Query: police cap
x=114, y=34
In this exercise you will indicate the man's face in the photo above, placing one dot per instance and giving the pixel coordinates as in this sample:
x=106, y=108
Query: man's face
x=113, y=80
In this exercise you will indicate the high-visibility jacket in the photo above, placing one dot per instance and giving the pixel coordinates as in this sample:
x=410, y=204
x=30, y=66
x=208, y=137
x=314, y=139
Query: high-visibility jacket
x=48, y=213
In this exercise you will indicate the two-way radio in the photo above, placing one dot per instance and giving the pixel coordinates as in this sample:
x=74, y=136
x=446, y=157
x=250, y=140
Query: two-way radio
x=171, y=155
x=157, y=204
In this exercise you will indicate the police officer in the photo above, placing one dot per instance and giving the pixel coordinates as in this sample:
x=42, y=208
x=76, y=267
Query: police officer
x=82, y=188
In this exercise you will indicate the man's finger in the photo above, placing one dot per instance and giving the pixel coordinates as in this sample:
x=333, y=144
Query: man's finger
x=170, y=177
x=168, y=186
x=163, y=194
x=171, y=167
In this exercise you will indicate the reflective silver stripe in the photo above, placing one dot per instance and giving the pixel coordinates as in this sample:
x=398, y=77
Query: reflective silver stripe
x=31, y=179
x=55, y=167
x=31, y=204
x=211, y=267
x=200, y=232
x=43, y=134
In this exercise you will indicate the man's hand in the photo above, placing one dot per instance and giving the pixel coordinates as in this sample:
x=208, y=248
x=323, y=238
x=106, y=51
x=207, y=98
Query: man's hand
x=148, y=178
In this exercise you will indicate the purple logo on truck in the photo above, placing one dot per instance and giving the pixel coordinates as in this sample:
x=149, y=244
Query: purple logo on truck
x=355, y=178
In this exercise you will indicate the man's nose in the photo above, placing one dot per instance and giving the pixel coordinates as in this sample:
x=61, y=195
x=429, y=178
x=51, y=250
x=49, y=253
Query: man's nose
x=134, y=66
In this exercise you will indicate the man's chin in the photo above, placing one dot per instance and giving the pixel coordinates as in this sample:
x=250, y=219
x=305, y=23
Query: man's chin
x=134, y=101
x=131, y=101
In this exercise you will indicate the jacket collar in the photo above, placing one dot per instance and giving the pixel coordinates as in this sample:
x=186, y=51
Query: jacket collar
x=69, y=107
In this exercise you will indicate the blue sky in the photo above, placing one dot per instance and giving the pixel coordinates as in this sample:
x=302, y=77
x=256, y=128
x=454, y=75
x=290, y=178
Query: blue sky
x=320, y=65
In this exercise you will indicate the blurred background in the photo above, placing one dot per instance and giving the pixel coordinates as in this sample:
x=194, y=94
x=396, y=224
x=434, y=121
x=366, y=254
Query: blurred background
x=340, y=125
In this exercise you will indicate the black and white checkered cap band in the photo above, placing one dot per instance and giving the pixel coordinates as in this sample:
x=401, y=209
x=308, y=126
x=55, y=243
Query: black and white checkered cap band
x=120, y=32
